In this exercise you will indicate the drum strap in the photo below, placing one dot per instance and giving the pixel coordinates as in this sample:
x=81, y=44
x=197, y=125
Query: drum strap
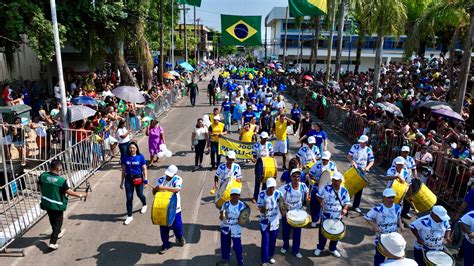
x=337, y=197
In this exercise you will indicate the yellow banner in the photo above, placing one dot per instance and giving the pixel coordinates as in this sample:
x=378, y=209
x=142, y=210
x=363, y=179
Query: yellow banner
x=243, y=150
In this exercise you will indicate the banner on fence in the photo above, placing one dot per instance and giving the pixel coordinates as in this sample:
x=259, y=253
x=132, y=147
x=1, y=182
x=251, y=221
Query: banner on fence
x=243, y=150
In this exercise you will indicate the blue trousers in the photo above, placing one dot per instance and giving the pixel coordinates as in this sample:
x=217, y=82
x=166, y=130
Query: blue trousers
x=268, y=244
x=323, y=240
x=225, y=247
x=177, y=228
x=419, y=257
x=468, y=252
x=129, y=188
x=227, y=120
x=286, y=236
x=378, y=257
x=123, y=150
x=258, y=178
x=315, y=207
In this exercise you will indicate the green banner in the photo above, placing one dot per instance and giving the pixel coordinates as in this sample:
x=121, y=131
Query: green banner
x=190, y=2
x=241, y=30
x=300, y=8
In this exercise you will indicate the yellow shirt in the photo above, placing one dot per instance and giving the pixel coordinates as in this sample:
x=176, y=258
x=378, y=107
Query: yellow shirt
x=280, y=129
x=211, y=118
x=219, y=128
x=246, y=135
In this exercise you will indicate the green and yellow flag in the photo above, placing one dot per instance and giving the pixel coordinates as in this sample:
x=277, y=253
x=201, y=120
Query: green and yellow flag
x=190, y=2
x=300, y=8
x=241, y=30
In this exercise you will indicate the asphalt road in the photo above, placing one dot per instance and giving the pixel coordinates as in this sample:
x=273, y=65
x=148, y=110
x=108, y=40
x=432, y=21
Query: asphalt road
x=96, y=234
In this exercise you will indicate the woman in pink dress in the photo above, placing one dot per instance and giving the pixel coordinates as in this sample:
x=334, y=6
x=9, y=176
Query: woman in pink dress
x=156, y=137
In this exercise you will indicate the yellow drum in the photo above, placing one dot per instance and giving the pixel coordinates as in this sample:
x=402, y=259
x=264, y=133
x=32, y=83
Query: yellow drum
x=308, y=166
x=269, y=168
x=354, y=181
x=423, y=198
x=298, y=218
x=438, y=257
x=164, y=208
x=333, y=229
x=223, y=193
x=400, y=189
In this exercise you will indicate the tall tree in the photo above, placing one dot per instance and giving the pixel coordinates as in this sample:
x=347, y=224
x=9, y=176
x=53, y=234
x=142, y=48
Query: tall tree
x=340, y=38
x=332, y=15
x=358, y=12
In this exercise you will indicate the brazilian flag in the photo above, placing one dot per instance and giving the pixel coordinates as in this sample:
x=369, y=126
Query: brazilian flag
x=241, y=30
x=300, y=8
x=190, y=2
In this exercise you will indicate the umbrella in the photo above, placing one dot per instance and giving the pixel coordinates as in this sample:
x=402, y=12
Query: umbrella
x=168, y=76
x=210, y=62
x=79, y=112
x=187, y=66
x=318, y=83
x=390, y=107
x=434, y=105
x=281, y=70
x=271, y=65
x=306, y=77
x=448, y=113
x=84, y=100
x=129, y=94
x=174, y=73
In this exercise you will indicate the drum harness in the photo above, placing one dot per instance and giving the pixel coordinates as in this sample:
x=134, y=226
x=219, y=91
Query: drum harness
x=338, y=199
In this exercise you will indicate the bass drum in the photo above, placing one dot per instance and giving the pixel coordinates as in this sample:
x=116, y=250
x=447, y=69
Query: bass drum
x=400, y=189
x=423, y=198
x=223, y=193
x=354, y=181
x=164, y=208
x=269, y=168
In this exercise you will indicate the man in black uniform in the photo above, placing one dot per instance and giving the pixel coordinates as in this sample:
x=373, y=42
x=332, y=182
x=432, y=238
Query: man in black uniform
x=211, y=91
x=193, y=90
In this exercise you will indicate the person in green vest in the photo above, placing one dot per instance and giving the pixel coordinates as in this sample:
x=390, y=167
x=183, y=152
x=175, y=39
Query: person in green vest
x=54, y=189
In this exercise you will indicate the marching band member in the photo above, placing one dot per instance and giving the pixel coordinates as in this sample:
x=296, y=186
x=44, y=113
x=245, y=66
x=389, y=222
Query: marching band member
x=173, y=183
x=410, y=166
x=467, y=226
x=397, y=172
x=230, y=228
x=315, y=173
x=261, y=149
x=229, y=169
x=334, y=200
x=269, y=220
x=361, y=157
x=395, y=244
x=308, y=153
x=384, y=218
x=293, y=195
x=430, y=231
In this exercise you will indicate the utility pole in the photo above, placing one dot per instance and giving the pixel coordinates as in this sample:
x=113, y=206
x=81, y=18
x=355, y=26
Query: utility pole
x=185, y=33
x=286, y=32
x=162, y=65
x=266, y=18
x=195, y=33
x=198, y=38
x=172, y=33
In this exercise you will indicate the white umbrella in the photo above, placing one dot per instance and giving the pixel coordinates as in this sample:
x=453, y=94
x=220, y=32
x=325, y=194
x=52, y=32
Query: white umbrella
x=435, y=105
x=79, y=112
x=129, y=94
x=174, y=73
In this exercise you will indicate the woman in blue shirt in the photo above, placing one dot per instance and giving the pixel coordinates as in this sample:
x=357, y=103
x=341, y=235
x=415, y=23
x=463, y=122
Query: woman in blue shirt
x=296, y=116
x=134, y=176
x=319, y=134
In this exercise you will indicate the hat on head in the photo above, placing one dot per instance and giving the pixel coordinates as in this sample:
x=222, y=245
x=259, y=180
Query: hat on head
x=264, y=135
x=311, y=140
x=217, y=117
x=389, y=192
x=235, y=191
x=337, y=176
x=296, y=170
x=271, y=182
x=441, y=212
x=172, y=170
x=363, y=138
x=326, y=155
x=399, y=160
x=405, y=148
x=231, y=155
x=394, y=243
x=226, y=97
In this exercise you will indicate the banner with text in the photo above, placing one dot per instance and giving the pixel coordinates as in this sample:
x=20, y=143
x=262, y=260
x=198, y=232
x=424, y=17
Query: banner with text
x=243, y=150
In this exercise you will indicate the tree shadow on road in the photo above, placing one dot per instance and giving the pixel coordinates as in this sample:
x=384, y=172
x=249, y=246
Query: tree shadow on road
x=120, y=253
x=104, y=217
x=196, y=229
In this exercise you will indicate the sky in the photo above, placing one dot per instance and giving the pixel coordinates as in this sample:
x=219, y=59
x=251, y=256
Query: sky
x=210, y=10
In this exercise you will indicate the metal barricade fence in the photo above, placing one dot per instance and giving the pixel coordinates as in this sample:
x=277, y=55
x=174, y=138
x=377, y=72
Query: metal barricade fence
x=20, y=199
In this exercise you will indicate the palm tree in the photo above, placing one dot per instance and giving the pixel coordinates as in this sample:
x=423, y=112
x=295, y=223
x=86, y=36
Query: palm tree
x=332, y=16
x=358, y=12
x=340, y=36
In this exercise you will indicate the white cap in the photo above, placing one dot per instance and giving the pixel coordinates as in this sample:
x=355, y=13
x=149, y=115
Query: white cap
x=389, y=192
x=217, y=117
x=394, y=243
x=271, y=182
x=441, y=212
x=296, y=170
x=399, y=160
x=226, y=97
x=337, y=176
x=235, y=190
x=326, y=155
x=172, y=170
x=311, y=140
x=264, y=135
x=405, y=148
x=363, y=138
x=231, y=155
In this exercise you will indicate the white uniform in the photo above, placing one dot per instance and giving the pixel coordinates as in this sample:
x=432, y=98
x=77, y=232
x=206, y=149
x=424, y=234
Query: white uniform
x=175, y=182
x=410, y=164
x=361, y=156
x=332, y=207
x=307, y=154
x=404, y=174
x=294, y=197
x=431, y=232
x=223, y=172
x=468, y=219
x=318, y=168
x=386, y=218
x=260, y=150
x=272, y=215
x=230, y=223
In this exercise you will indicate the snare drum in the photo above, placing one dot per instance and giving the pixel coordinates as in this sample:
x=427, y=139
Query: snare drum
x=244, y=215
x=164, y=208
x=354, y=181
x=438, y=257
x=333, y=229
x=223, y=193
x=298, y=218
x=423, y=198
x=400, y=189
x=269, y=168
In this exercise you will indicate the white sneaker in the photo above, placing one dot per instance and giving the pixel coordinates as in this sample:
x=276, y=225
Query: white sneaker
x=272, y=261
x=336, y=253
x=62, y=233
x=358, y=210
x=53, y=246
x=314, y=224
x=299, y=255
x=283, y=251
x=317, y=252
x=128, y=220
x=143, y=210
